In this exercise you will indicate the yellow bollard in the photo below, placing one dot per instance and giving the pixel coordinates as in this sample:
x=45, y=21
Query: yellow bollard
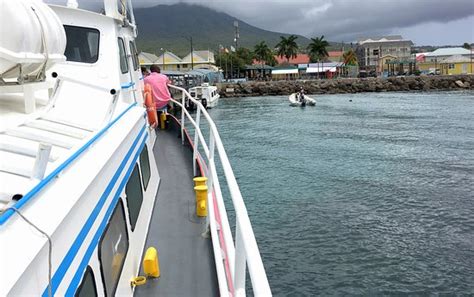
x=151, y=265
x=201, y=200
x=200, y=181
x=163, y=120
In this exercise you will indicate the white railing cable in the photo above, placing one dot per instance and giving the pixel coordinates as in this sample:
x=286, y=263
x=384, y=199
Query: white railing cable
x=245, y=251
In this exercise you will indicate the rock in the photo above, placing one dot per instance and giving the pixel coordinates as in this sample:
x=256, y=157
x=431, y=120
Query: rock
x=460, y=84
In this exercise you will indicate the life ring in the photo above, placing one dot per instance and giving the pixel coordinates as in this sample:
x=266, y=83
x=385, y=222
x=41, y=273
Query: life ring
x=150, y=106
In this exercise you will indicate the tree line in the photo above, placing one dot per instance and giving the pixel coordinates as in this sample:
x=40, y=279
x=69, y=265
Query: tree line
x=287, y=47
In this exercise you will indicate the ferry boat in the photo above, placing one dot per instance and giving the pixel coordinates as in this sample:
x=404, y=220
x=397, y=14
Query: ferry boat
x=206, y=94
x=94, y=201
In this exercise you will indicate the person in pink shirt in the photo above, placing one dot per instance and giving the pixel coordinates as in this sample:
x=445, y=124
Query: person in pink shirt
x=159, y=86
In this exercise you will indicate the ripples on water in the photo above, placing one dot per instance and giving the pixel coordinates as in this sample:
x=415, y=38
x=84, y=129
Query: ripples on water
x=368, y=197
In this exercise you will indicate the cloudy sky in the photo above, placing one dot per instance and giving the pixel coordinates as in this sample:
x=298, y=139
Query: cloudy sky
x=435, y=22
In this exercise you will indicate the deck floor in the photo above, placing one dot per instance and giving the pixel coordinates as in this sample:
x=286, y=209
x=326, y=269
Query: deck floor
x=185, y=256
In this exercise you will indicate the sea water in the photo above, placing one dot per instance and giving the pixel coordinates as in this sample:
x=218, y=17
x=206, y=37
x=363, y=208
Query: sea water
x=363, y=194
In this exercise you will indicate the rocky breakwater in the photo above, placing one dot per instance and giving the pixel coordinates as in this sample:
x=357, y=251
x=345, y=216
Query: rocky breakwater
x=348, y=85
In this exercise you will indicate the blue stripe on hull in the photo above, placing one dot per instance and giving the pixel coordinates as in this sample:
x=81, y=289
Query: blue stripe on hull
x=71, y=254
x=95, y=241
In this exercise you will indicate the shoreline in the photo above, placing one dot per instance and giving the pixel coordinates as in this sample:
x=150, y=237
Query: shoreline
x=347, y=85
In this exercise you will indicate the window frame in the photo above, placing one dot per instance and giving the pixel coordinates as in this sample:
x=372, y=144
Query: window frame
x=121, y=42
x=134, y=224
x=145, y=184
x=134, y=54
x=99, y=250
x=98, y=44
x=88, y=269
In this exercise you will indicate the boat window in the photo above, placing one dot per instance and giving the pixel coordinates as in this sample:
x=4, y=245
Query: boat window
x=145, y=166
x=87, y=288
x=82, y=44
x=134, y=53
x=123, y=56
x=113, y=248
x=134, y=193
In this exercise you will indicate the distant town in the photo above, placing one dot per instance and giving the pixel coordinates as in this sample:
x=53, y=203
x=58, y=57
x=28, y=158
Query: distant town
x=383, y=56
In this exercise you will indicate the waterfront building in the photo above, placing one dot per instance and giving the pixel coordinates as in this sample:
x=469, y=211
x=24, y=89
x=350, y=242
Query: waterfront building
x=372, y=52
x=299, y=59
x=335, y=56
x=430, y=63
x=168, y=61
x=146, y=59
x=258, y=71
x=201, y=60
x=285, y=73
x=456, y=64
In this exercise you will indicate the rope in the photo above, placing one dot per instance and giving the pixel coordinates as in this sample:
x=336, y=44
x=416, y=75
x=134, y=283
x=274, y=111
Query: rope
x=50, y=247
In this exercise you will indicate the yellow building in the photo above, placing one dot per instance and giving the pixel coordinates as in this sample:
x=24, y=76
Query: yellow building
x=171, y=62
x=456, y=65
x=430, y=63
x=383, y=65
x=201, y=60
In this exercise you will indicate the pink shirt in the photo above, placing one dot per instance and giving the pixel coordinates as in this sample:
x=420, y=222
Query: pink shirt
x=158, y=83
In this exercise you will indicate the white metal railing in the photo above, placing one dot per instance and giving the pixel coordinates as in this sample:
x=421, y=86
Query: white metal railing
x=231, y=259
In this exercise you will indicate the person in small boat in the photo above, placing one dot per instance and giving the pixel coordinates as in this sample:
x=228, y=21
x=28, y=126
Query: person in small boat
x=159, y=86
x=300, y=95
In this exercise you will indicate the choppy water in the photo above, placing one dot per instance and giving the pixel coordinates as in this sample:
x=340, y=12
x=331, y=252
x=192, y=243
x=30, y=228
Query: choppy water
x=369, y=197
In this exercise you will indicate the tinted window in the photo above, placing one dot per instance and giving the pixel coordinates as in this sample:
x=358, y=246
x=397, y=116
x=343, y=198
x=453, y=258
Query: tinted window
x=123, y=56
x=87, y=287
x=134, y=193
x=113, y=249
x=133, y=52
x=145, y=166
x=82, y=44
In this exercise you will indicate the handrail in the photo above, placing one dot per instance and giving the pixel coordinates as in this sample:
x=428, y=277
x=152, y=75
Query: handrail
x=245, y=252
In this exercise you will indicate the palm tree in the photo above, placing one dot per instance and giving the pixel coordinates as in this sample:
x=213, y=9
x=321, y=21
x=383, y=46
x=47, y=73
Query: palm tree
x=317, y=49
x=287, y=47
x=350, y=58
x=262, y=53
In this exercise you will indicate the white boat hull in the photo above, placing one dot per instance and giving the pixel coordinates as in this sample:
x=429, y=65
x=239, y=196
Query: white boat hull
x=295, y=102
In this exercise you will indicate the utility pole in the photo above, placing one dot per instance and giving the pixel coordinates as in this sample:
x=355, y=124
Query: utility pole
x=190, y=39
x=237, y=35
x=192, y=55
x=164, y=52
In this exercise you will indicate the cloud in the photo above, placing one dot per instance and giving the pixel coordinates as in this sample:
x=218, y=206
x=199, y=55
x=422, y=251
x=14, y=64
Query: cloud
x=337, y=19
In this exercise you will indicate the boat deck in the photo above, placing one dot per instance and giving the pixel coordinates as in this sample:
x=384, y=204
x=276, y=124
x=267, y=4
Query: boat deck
x=186, y=257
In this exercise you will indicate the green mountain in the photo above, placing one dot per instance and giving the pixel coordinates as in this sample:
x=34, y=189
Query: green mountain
x=169, y=26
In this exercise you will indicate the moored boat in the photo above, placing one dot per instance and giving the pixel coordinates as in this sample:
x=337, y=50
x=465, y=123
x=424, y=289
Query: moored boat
x=206, y=94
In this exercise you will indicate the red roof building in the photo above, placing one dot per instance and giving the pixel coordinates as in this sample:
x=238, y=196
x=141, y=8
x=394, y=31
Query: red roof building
x=300, y=59
x=335, y=56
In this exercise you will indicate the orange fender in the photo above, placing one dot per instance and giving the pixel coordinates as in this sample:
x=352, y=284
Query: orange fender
x=150, y=106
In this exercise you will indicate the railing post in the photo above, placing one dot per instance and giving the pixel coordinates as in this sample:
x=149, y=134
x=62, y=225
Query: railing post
x=240, y=265
x=196, y=141
x=183, y=99
x=211, y=155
